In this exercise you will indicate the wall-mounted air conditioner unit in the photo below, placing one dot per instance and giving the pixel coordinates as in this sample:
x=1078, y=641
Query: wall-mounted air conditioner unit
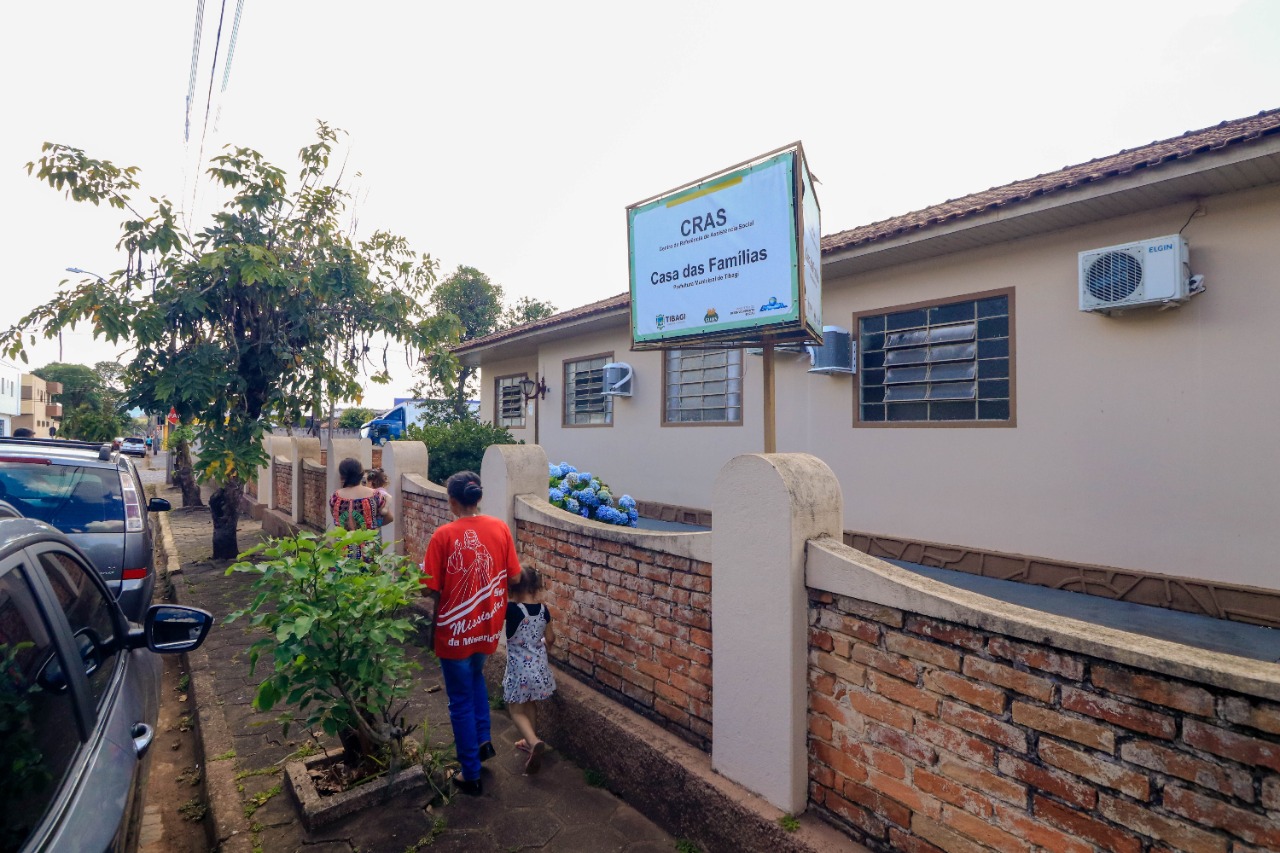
x=1132, y=275
x=835, y=353
x=617, y=379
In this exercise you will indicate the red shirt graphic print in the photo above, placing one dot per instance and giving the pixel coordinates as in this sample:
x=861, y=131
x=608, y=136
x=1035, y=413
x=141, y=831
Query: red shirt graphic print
x=468, y=562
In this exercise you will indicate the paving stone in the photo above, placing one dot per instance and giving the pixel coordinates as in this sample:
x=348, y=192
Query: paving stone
x=524, y=827
x=580, y=839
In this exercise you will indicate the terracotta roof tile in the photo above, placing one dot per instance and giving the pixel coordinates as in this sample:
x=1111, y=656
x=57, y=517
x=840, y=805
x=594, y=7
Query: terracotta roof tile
x=604, y=306
x=1189, y=144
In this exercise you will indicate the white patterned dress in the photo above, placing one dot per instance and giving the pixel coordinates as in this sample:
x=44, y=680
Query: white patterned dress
x=528, y=677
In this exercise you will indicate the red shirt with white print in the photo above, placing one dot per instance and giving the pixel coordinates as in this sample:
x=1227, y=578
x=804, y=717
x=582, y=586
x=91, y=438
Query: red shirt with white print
x=468, y=562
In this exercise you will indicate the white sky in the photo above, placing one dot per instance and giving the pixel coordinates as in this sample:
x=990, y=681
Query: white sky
x=511, y=136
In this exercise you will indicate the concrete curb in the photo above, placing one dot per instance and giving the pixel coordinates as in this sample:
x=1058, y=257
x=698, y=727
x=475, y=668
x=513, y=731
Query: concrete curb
x=226, y=810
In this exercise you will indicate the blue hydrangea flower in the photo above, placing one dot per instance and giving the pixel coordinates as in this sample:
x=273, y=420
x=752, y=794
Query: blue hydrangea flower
x=627, y=502
x=584, y=479
x=571, y=505
x=555, y=495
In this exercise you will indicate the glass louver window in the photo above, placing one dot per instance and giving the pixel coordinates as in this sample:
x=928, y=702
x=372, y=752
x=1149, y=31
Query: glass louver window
x=947, y=362
x=585, y=403
x=703, y=386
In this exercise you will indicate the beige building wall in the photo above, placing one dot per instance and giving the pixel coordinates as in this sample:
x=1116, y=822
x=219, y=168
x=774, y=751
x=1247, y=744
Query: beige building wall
x=1143, y=441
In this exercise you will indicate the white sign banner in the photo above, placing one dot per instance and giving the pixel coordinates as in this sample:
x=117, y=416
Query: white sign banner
x=718, y=257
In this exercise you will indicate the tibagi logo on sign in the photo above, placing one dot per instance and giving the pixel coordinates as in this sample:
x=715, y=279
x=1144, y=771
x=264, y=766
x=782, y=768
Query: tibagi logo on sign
x=711, y=316
x=660, y=320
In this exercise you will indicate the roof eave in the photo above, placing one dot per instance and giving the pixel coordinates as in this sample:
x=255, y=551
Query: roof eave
x=1188, y=179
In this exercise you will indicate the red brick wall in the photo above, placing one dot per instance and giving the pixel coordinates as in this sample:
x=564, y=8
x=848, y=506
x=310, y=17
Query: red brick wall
x=282, y=482
x=314, y=495
x=636, y=623
x=419, y=517
x=377, y=458
x=927, y=735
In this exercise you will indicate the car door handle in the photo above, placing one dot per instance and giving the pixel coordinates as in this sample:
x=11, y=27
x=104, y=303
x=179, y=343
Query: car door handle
x=142, y=735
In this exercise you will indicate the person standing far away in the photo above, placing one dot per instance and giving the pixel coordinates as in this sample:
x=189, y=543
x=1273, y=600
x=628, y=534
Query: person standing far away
x=528, y=678
x=357, y=507
x=148, y=444
x=467, y=567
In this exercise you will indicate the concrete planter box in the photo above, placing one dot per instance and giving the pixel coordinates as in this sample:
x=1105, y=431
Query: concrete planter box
x=318, y=811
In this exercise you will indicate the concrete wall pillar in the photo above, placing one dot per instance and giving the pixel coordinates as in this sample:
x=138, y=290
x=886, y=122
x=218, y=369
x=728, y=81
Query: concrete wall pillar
x=266, y=475
x=510, y=470
x=398, y=459
x=300, y=448
x=359, y=449
x=765, y=507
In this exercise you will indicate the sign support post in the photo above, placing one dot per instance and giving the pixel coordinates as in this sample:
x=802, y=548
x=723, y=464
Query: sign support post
x=770, y=406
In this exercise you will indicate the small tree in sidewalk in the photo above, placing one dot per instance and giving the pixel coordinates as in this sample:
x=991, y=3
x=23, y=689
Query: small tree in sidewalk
x=335, y=625
x=179, y=443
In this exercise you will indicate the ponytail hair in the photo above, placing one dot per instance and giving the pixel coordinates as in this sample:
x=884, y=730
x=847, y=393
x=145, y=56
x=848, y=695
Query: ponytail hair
x=464, y=487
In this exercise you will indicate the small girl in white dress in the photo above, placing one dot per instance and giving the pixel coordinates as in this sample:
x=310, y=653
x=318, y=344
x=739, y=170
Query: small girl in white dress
x=528, y=678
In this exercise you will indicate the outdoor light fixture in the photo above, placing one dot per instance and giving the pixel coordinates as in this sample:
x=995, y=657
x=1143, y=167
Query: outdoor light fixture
x=532, y=389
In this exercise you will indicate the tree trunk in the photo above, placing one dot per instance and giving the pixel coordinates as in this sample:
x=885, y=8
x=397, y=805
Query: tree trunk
x=184, y=477
x=224, y=505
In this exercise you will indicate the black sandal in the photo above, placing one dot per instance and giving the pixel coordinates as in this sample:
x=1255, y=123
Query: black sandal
x=470, y=787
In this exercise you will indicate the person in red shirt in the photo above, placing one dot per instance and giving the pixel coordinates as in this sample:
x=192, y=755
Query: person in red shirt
x=467, y=566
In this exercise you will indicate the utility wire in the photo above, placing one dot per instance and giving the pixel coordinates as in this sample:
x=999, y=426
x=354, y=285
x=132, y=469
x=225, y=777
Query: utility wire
x=208, y=102
x=195, y=58
x=226, y=68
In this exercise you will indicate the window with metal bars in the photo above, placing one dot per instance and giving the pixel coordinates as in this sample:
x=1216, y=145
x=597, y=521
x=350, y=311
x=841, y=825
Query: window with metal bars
x=509, y=401
x=702, y=386
x=585, y=403
x=937, y=363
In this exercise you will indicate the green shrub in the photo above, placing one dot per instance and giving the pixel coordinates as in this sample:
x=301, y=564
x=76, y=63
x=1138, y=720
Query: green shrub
x=334, y=627
x=457, y=446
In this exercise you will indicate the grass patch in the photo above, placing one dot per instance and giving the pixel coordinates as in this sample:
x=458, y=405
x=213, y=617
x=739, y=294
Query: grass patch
x=184, y=682
x=260, y=799
x=226, y=756
x=186, y=723
x=193, y=810
x=261, y=771
x=789, y=822
x=189, y=776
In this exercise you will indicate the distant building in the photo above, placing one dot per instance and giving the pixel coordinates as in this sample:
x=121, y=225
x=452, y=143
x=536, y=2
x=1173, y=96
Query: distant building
x=10, y=396
x=39, y=412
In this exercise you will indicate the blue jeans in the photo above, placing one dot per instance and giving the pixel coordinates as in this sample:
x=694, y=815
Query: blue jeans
x=468, y=709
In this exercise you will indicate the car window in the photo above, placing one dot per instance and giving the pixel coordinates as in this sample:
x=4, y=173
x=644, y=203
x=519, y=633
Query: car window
x=90, y=615
x=38, y=731
x=73, y=498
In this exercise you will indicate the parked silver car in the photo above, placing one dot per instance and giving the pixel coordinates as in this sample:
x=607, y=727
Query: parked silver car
x=93, y=495
x=79, y=695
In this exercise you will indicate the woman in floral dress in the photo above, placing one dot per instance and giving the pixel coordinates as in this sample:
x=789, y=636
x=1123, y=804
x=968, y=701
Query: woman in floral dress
x=358, y=507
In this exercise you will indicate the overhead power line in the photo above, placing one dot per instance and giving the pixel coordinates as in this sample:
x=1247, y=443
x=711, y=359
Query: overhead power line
x=195, y=59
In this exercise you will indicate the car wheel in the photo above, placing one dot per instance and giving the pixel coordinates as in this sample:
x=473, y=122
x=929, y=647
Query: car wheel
x=8, y=510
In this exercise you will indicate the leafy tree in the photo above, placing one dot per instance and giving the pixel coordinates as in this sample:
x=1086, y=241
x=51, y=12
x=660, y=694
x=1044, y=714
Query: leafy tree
x=457, y=445
x=475, y=302
x=91, y=404
x=356, y=417
x=259, y=315
x=525, y=310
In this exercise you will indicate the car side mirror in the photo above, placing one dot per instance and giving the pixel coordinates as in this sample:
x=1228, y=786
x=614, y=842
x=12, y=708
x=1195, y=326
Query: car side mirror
x=173, y=628
x=158, y=505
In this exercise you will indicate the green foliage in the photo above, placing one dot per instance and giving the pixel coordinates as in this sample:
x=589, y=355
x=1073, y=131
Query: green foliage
x=525, y=310
x=457, y=445
x=255, y=317
x=334, y=625
x=789, y=822
x=356, y=417
x=684, y=845
x=474, y=302
x=24, y=770
x=92, y=401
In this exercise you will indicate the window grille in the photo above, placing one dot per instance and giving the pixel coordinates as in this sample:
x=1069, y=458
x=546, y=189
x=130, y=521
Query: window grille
x=585, y=402
x=510, y=402
x=703, y=386
x=944, y=362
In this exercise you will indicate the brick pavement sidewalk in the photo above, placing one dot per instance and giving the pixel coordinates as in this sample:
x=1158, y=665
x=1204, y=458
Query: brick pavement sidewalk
x=245, y=750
